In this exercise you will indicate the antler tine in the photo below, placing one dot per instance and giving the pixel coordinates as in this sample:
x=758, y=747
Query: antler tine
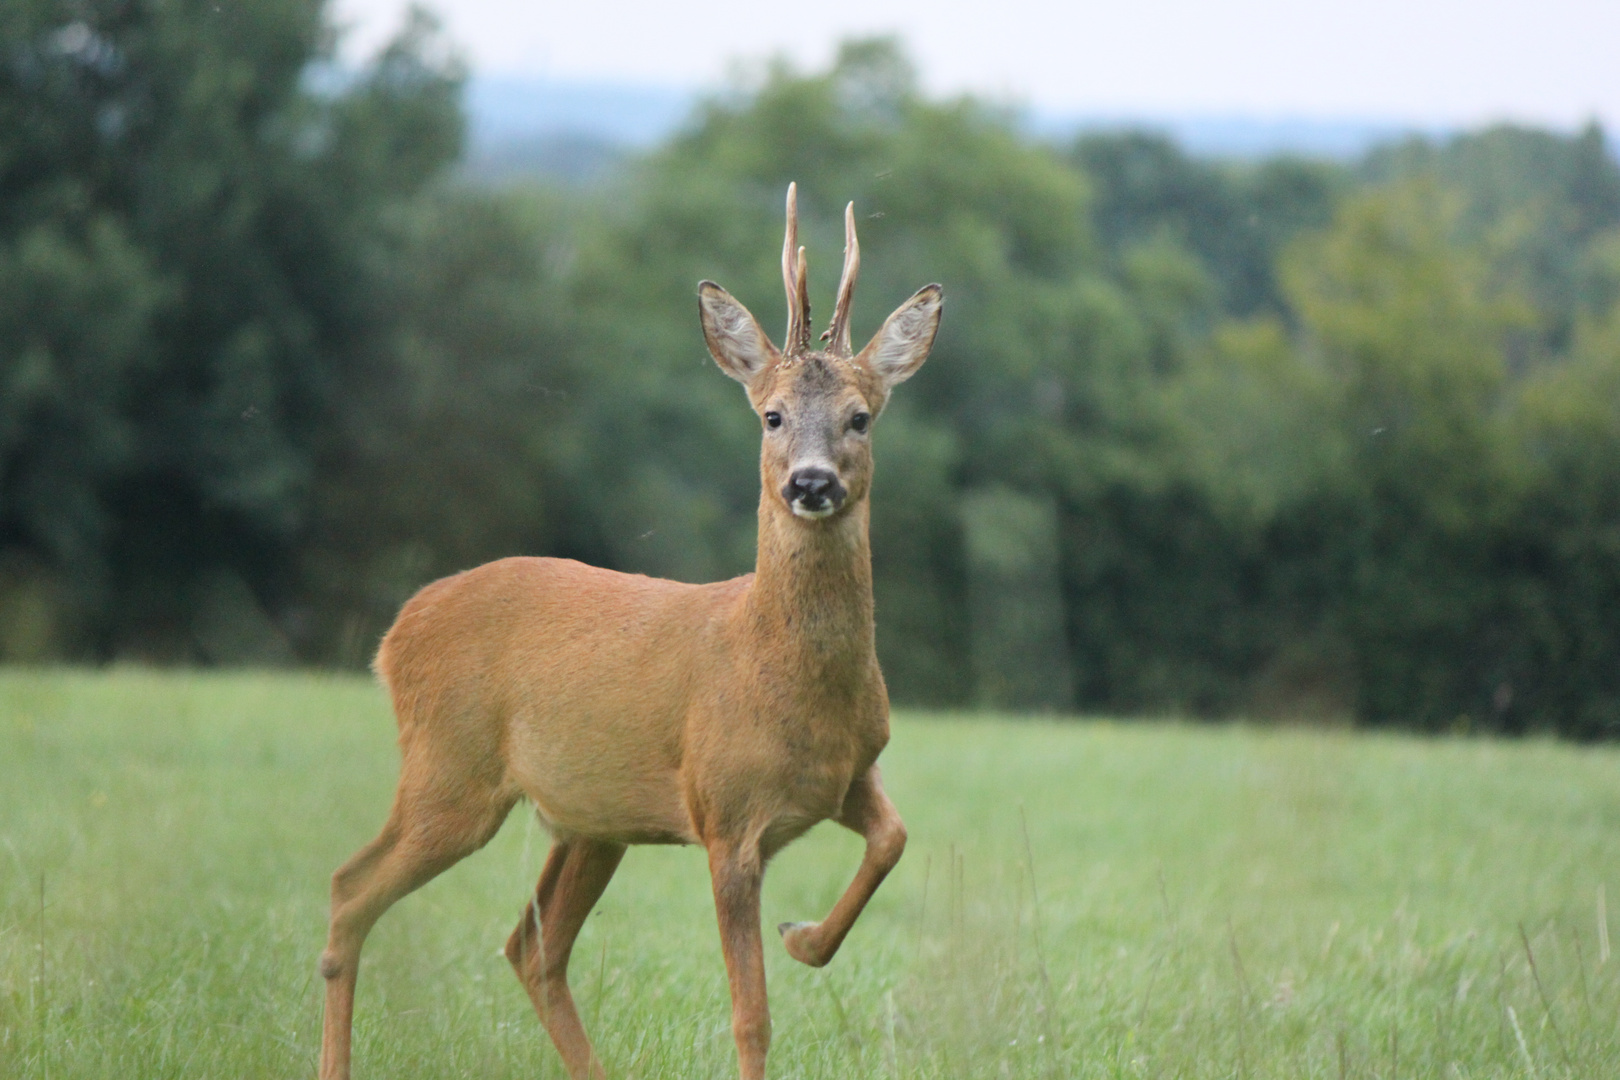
x=793, y=278
x=802, y=274
x=789, y=243
x=838, y=331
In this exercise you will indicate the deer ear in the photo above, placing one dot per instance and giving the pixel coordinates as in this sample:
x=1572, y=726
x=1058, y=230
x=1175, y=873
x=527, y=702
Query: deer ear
x=734, y=338
x=898, y=349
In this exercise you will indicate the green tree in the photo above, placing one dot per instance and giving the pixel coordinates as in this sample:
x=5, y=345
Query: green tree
x=1567, y=525
x=1415, y=339
x=1533, y=199
x=459, y=436
x=189, y=235
x=1235, y=218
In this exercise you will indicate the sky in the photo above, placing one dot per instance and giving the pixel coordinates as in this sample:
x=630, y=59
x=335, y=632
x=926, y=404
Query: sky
x=1427, y=62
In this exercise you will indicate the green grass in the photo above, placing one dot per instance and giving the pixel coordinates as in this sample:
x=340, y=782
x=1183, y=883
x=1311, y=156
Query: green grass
x=1079, y=900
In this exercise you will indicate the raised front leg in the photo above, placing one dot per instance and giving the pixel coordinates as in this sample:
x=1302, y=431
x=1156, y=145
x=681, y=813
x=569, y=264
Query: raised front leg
x=736, y=872
x=868, y=811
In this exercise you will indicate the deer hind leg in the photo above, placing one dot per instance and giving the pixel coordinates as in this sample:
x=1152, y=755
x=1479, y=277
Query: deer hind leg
x=575, y=875
x=868, y=811
x=427, y=832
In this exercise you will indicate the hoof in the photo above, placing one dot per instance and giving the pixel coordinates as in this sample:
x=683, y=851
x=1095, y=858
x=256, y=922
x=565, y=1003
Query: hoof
x=794, y=935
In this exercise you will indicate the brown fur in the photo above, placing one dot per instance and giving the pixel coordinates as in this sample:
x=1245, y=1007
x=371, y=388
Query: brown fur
x=632, y=710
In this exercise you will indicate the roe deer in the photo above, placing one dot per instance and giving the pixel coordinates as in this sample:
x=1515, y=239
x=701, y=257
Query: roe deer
x=633, y=710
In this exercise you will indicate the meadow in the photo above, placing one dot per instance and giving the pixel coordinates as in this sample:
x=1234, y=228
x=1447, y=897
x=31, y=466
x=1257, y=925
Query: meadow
x=1079, y=899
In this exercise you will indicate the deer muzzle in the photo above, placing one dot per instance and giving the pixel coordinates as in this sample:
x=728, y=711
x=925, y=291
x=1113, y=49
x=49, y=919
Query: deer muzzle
x=813, y=492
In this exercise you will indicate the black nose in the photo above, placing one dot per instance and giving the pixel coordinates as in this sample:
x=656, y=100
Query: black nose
x=811, y=481
x=812, y=486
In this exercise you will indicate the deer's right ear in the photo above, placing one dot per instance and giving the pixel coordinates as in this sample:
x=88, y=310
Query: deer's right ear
x=734, y=338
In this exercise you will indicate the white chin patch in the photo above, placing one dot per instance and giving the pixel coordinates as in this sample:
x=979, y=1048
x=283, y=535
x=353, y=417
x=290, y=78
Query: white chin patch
x=821, y=511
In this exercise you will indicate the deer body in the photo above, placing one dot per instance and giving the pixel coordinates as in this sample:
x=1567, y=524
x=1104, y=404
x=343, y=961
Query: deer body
x=613, y=722
x=634, y=710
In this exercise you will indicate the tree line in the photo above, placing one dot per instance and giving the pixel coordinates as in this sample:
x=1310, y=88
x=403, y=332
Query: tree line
x=1279, y=438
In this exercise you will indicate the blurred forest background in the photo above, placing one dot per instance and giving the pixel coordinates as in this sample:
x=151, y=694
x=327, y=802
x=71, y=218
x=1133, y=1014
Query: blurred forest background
x=1280, y=438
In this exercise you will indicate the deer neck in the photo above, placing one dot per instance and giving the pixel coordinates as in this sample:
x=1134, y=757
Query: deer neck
x=812, y=588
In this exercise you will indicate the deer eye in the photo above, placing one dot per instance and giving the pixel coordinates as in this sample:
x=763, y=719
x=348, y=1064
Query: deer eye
x=860, y=420
x=773, y=420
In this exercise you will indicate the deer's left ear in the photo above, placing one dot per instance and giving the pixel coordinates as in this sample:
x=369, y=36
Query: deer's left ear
x=898, y=349
x=734, y=337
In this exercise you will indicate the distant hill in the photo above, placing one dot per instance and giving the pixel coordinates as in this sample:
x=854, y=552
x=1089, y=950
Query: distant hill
x=576, y=131
x=503, y=107
x=572, y=131
x=1238, y=136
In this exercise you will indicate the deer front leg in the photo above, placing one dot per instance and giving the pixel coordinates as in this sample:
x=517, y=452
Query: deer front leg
x=736, y=872
x=868, y=811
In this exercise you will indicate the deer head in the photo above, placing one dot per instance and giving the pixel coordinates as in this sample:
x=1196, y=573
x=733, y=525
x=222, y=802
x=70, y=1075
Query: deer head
x=817, y=405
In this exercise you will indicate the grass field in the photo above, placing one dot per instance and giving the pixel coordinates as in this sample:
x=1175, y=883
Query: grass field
x=1078, y=900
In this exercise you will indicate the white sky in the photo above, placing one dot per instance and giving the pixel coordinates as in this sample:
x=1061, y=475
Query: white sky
x=1424, y=61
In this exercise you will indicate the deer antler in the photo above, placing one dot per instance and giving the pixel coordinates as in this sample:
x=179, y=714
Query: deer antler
x=796, y=280
x=838, y=331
